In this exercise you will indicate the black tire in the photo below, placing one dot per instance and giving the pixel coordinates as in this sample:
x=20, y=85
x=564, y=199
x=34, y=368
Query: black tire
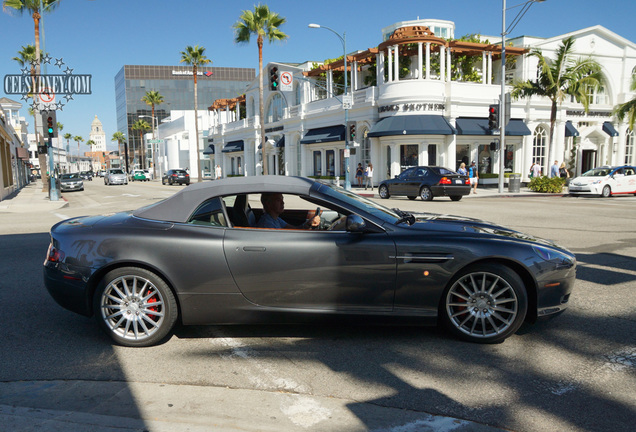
x=170, y=182
x=411, y=197
x=455, y=197
x=383, y=191
x=426, y=194
x=606, y=192
x=163, y=181
x=485, y=303
x=124, y=306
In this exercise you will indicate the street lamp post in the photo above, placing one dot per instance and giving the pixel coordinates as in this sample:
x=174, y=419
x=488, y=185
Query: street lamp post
x=345, y=101
x=502, y=98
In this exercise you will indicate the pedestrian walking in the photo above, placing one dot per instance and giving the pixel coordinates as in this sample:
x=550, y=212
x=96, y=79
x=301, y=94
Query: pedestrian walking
x=368, y=173
x=218, y=173
x=474, y=176
x=554, y=170
x=536, y=170
x=563, y=171
x=462, y=169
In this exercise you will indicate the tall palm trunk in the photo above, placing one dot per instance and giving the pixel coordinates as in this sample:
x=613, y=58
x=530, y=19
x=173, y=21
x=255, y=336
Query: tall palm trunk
x=548, y=151
x=196, y=125
x=259, y=42
x=38, y=138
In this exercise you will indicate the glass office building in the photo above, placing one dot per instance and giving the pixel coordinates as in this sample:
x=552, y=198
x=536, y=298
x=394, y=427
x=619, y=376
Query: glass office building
x=176, y=85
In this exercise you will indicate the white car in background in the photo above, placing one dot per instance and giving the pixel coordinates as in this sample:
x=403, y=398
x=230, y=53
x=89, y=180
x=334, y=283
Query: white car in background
x=605, y=182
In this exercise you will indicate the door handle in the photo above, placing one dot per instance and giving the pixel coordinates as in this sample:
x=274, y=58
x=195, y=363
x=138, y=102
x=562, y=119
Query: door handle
x=254, y=249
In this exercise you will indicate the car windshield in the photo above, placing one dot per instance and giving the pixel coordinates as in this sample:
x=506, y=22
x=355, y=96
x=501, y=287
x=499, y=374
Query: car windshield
x=116, y=171
x=360, y=202
x=69, y=176
x=597, y=172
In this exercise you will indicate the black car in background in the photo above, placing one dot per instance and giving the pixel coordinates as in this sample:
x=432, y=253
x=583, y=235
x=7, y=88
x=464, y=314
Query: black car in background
x=86, y=175
x=176, y=176
x=426, y=182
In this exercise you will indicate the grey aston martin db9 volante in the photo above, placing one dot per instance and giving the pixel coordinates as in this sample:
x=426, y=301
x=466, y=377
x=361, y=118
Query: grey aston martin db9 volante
x=200, y=257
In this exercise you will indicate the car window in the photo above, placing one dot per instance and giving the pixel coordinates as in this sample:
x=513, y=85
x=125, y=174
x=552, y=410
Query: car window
x=630, y=171
x=69, y=176
x=446, y=171
x=420, y=172
x=116, y=171
x=596, y=172
x=406, y=174
x=210, y=213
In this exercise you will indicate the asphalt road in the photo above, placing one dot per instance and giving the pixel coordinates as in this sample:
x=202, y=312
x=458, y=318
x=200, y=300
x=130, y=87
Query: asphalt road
x=573, y=373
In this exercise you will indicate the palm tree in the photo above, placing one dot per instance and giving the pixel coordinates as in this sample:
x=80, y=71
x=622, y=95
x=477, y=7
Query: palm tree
x=264, y=24
x=79, y=139
x=153, y=98
x=68, y=137
x=628, y=108
x=91, y=143
x=35, y=8
x=564, y=76
x=141, y=126
x=120, y=138
x=193, y=56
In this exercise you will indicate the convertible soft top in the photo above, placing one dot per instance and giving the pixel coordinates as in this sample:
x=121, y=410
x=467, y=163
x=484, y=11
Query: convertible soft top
x=181, y=205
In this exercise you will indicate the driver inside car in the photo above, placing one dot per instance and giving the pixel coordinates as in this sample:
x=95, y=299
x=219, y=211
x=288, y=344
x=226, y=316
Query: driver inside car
x=273, y=207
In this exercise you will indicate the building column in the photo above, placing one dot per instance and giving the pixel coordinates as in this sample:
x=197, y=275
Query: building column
x=354, y=76
x=442, y=63
x=330, y=83
x=420, y=59
x=395, y=160
x=390, y=63
x=428, y=60
x=396, y=64
x=379, y=68
x=448, y=66
x=484, y=70
x=489, y=76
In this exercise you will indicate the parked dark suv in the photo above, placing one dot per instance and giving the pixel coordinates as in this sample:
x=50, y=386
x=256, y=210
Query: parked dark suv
x=176, y=176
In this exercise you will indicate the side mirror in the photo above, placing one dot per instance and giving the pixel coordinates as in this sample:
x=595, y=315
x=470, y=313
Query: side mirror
x=395, y=176
x=355, y=224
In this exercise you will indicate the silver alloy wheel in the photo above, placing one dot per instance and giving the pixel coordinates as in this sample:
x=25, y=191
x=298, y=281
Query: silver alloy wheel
x=482, y=305
x=132, y=308
x=607, y=191
x=426, y=194
x=383, y=191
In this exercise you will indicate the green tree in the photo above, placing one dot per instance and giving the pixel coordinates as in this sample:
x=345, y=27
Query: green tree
x=153, y=98
x=68, y=137
x=142, y=126
x=79, y=140
x=121, y=139
x=559, y=78
x=628, y=109
x=264, y=24
x=193, y=56
x=35, y=8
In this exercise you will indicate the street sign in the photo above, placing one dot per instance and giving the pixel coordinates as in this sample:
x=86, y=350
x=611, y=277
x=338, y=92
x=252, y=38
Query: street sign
x=347, y=101
x=155, y=141
x=47, y=99
x=286, y=81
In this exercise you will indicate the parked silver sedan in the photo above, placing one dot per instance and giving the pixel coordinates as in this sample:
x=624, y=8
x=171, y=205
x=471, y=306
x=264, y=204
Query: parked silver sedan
x=115, y=176
x=71, y=182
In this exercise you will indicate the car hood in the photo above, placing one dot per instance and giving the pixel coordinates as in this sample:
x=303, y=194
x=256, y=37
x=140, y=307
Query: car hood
x=461, y=224
x=579, y=181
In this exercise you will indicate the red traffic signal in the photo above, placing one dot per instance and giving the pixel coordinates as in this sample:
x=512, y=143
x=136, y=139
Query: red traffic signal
x=493, y=117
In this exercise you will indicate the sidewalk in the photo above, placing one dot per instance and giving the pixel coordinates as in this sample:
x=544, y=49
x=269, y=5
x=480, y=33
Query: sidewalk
x=482, y=192
x=30, y=198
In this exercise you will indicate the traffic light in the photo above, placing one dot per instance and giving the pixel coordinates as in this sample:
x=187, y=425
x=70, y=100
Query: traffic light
x=493, y=117
x=49, y=127
x=352, y=132
x=273, y=78
x=49, y=124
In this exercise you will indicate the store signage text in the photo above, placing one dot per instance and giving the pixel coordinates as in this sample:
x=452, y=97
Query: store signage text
x=412, y=107
x=189, y=73
x=582, y=113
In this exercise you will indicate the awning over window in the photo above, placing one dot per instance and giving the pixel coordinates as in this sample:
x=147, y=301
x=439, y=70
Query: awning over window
x=608, y=128
x=209, y=150
x=324, y=134
x=412, y=125
x=233, y=146
x=479, y=126
x=570, y=130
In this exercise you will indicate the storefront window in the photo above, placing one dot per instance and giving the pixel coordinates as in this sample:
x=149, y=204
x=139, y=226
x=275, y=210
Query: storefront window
x=317, y=164
x=509, y=162
x=432, y=155
x=538, y=146
x=463, y=155
x=629, y=148
x=331, y=162
x=408, y=156
x=485, y=159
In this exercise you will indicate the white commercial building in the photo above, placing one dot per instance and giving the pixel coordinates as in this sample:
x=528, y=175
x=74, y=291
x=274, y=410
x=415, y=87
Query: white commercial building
x=412, y=105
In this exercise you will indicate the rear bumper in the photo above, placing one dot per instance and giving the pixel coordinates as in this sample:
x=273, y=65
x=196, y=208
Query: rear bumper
x=450, y=190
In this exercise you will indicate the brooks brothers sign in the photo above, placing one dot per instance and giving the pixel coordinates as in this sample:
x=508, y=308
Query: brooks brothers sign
x=43, y=88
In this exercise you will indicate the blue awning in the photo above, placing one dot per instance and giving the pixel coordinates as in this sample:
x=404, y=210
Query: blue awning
x=280, y=143
x=517, y=128
x=233, y=146
x=324, y=134
x=412, y=125
x=479, y=126
x=209, y=150
x=608, y=128
x=570, y=130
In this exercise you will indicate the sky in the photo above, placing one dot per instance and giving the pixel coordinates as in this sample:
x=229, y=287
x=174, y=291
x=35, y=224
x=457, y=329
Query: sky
x=99, y=37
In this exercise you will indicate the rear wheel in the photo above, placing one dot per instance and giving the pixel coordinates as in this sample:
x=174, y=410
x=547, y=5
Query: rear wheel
x=170, y=182
x=486, y=303
x=135, y=307
x=411, y=197
x=455, y=197
x=426, y=194
x=607, y=192
x=383, y=191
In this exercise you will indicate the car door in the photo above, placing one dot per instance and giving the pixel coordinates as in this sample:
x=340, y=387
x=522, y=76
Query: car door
x=625, y=179
x=400, y=186
x=305, y=269
x=413, y=182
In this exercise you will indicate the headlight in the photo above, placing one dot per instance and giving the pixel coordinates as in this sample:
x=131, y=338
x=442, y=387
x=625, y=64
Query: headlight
x=560, y=259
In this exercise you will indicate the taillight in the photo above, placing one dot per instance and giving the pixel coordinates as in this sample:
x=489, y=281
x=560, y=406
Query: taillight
x=467, y=181
x=187, y=175
x=54, y=255
x=445, y=180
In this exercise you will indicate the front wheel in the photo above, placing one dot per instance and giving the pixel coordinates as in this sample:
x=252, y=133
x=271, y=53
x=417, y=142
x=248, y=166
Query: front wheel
x=486, y=303
x=607, y=192
x=135, y=307
x=426, y=194
x=383, y=191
